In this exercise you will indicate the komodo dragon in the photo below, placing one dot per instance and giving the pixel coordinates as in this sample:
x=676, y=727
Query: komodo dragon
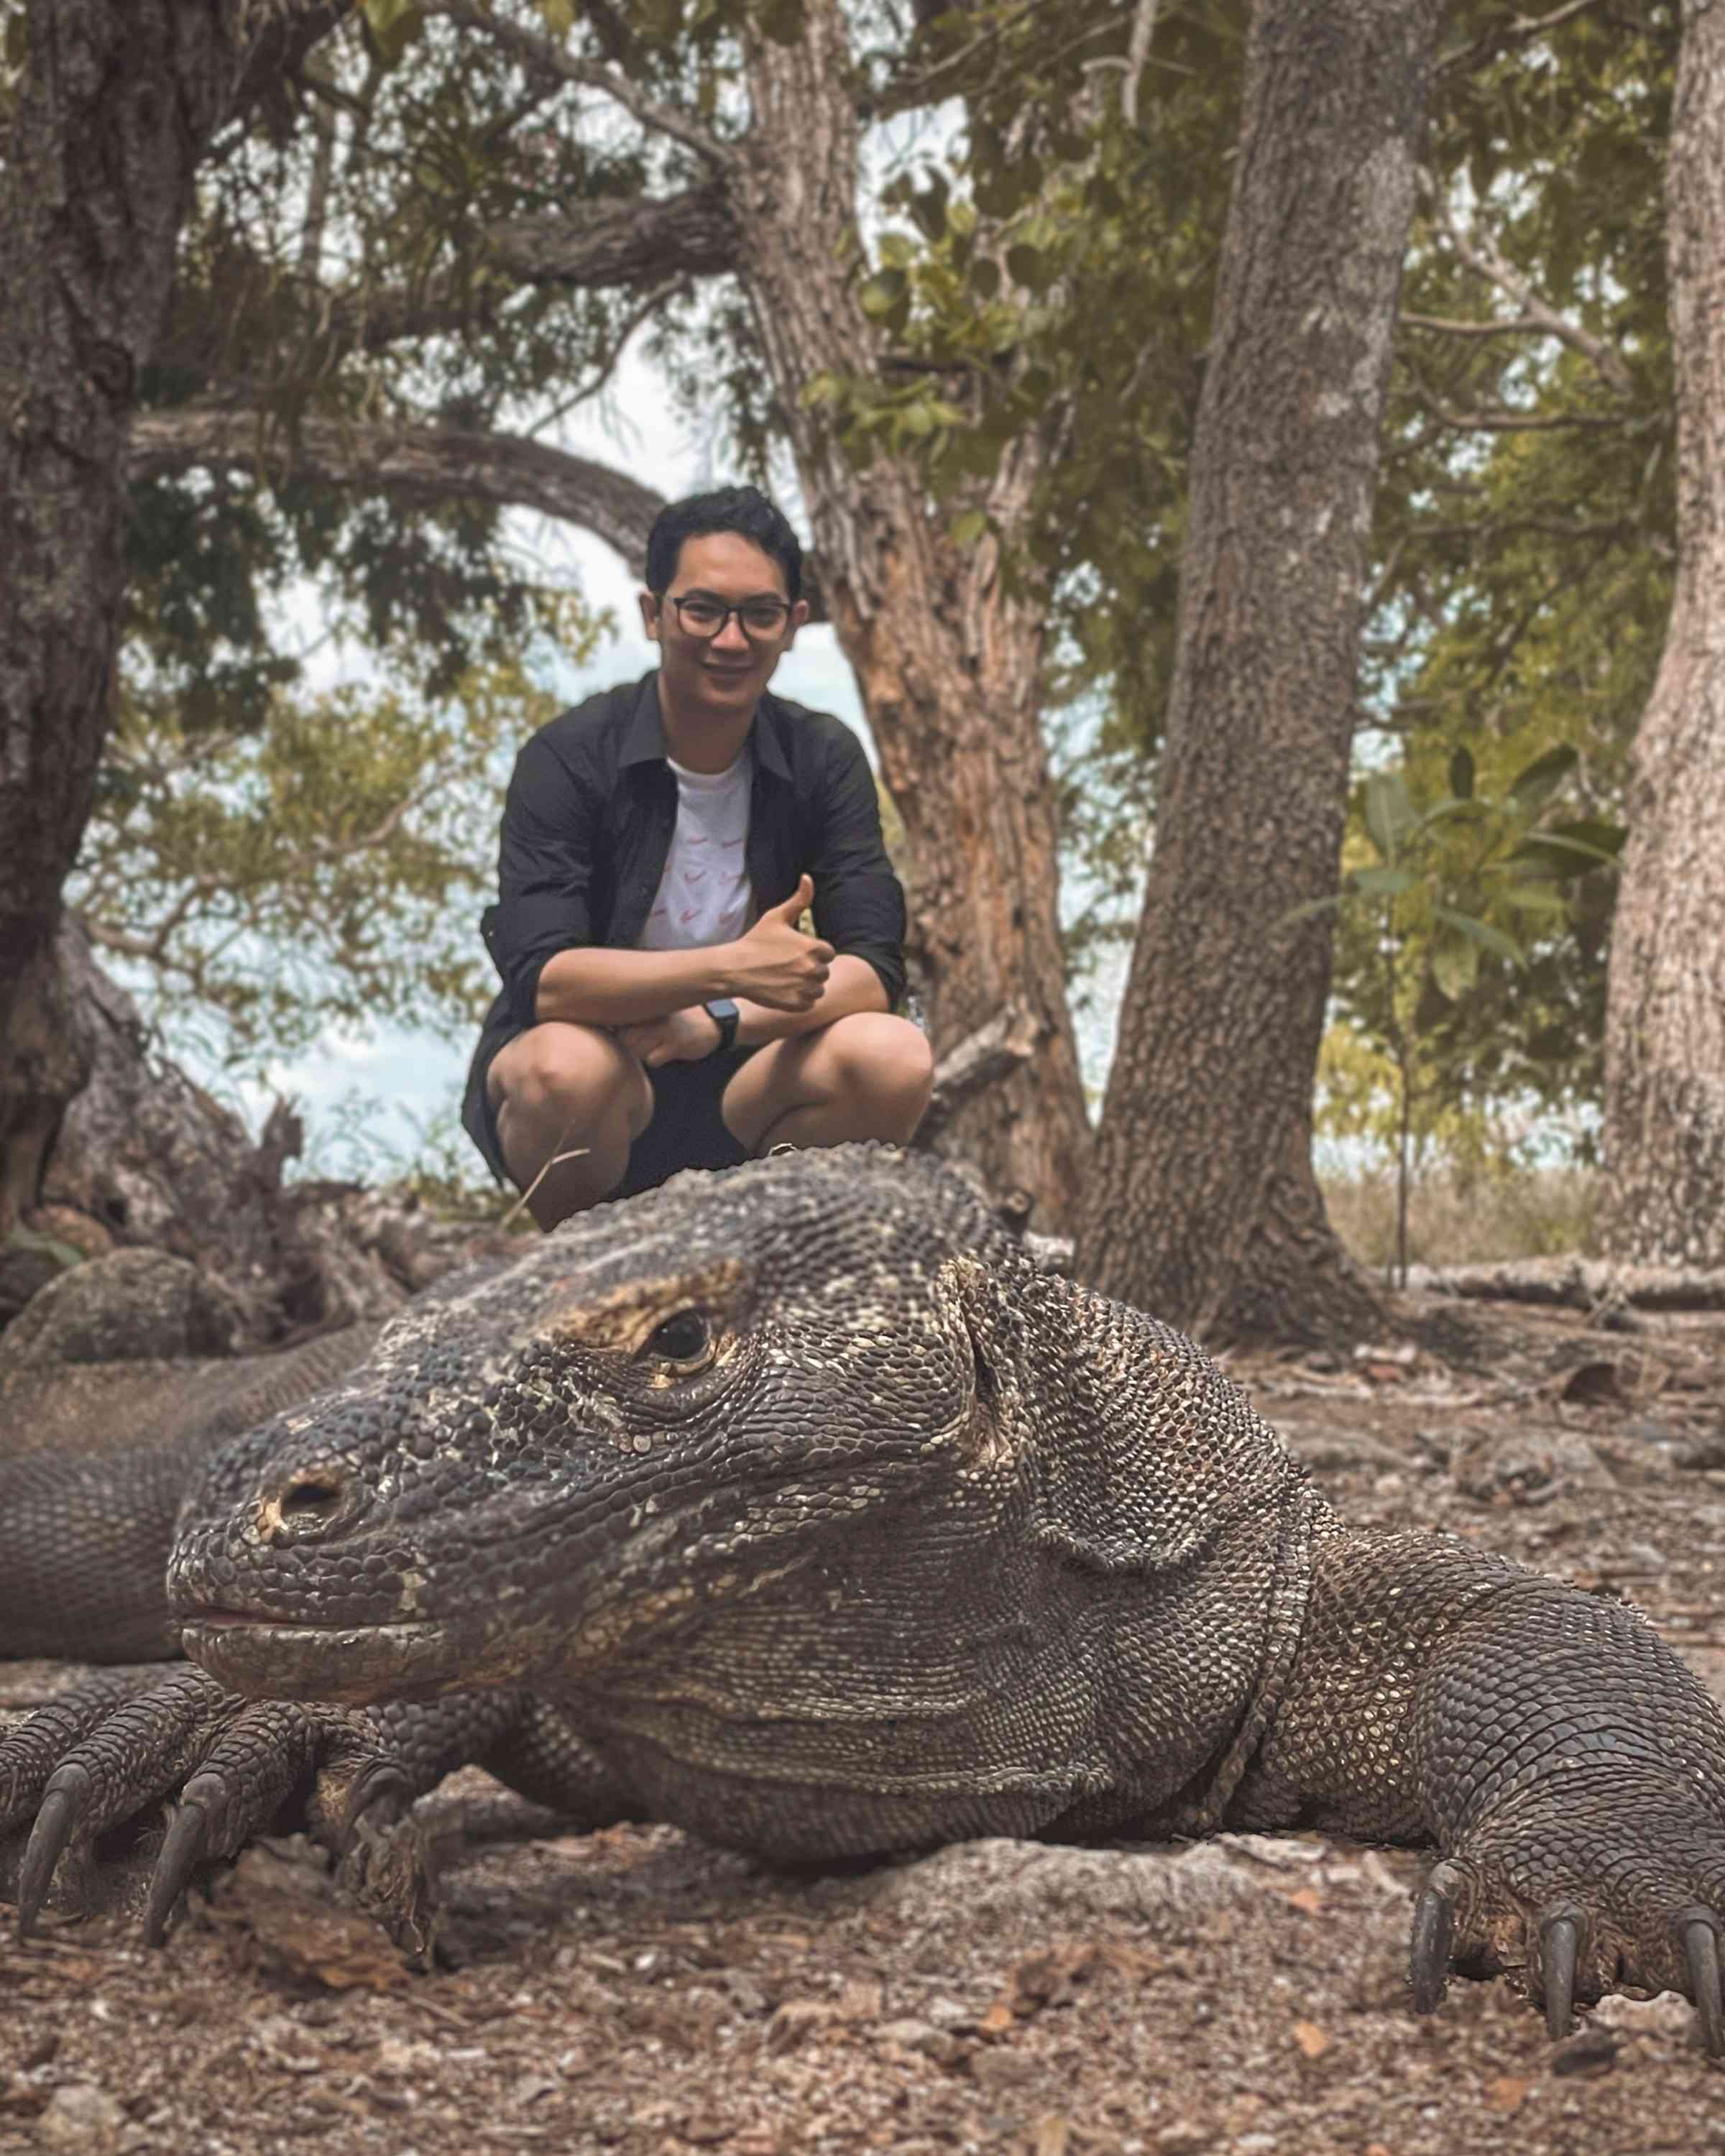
x=796, y=1506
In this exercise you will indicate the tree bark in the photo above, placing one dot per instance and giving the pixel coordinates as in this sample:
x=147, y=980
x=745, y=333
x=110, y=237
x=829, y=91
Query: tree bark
x=1665, y=1017
x=949, y=667
x=114, y=107
x=1203, y=1205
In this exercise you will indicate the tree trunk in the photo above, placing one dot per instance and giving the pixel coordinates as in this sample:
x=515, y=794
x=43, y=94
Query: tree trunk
x=115, y=105
x=1665, y=1018
x=1203, y=1205
x=948, y=667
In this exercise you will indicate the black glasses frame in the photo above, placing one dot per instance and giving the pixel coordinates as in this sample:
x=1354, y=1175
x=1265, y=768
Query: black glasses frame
x=725, y=613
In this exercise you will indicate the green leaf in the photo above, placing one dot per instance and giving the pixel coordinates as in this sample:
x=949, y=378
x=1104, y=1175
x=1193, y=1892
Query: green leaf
x=1535, y=898
x=1483, y=933
x=782, y=21
x=1461, y=774
x=882, y=293
x=1310, y=910
x=1455, y=966
x=394, y=24
x=65, y=1256
x=1531, y=788
x=929, y=208
x=1388, y=811
x=1384, y=882
x=1573, y=849
x=1607, y=839
x=1031, y=268
x=967, y=529
x=985, y=276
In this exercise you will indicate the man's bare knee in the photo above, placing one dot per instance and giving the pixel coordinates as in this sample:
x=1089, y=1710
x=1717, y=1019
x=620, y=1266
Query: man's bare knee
x=577, y=1069
x=569, y=1102
x=887, y=1060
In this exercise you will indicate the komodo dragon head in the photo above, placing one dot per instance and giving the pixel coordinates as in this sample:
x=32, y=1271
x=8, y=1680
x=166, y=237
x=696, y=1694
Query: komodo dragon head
x=662, y=1407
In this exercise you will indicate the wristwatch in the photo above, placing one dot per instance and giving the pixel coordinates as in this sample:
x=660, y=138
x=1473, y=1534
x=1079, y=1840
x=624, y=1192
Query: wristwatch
x=724, y=1014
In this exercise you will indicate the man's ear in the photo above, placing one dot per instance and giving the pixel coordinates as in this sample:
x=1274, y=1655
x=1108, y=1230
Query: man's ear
x=799, y=614
x=651, y=611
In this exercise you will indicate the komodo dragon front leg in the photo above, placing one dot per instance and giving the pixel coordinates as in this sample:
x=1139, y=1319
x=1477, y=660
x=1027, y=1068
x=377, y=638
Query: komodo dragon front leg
x=1569, y=1769
x=107, y=1750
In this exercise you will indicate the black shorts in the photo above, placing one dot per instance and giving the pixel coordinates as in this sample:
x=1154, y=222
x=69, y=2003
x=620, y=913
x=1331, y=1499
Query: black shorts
x=688, y=1129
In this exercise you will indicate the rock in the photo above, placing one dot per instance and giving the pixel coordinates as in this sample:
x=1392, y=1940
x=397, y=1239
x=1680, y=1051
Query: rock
x=79, y=2116
x=1184, y=2137
x=999, y=1888
x=131, y=1305
x=912, y=2036
x=1666, y=2014
x=26, y=1265
x=1528, y=1467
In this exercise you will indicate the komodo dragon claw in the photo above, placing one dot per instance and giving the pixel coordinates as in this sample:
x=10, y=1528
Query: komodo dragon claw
x=1453, y=1904
x=1560, y=1933
x=1699, y=1931
x=1434, y=1940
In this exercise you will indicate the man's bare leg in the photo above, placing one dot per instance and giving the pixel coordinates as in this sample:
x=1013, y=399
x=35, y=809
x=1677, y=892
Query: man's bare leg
x=867, y=1075
x=558, y=1088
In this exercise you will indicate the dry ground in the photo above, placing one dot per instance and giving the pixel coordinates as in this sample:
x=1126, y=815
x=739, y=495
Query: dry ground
x=633, y=1991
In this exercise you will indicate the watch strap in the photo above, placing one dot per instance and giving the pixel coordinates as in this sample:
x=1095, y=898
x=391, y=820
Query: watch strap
x=724, y=1014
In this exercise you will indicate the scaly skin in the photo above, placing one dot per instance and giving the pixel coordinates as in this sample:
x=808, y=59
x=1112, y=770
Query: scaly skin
x=796, y=1506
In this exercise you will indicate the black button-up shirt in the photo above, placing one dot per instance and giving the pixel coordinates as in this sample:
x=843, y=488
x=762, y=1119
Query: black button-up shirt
x=587, y=830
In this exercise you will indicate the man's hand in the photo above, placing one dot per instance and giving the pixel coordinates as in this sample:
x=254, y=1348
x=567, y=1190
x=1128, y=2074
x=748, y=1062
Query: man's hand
x=775, y=964
x=682, y=1036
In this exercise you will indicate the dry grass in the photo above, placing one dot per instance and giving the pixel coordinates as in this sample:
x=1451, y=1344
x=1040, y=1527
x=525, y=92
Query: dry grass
x=1455, y=1219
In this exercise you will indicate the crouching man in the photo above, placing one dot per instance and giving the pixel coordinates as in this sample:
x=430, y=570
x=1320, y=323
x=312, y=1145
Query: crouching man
x=661, y=1008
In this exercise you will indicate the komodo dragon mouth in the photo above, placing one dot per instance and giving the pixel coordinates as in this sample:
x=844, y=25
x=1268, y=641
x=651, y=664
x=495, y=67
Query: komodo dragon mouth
x=350, y=1663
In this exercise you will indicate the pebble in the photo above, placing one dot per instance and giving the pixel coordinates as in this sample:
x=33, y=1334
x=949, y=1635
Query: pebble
x=1666, y=2014
x=77, y=2114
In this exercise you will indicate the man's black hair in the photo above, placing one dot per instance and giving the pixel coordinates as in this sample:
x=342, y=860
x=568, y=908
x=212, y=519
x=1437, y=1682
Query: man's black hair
x=744, y=510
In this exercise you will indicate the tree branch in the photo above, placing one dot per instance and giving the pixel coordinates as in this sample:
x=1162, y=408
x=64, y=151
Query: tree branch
x=611, y=246
x=1523, y=325
x=284, y=36
x=426, y=463
x=1520, y=31
x=417, y=462
x=533, y=50
x=1137, y=55
x=1484, y=258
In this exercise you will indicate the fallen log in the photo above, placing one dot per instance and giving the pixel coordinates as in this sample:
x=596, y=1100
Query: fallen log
x=980, y=1060
x=1572, y=1283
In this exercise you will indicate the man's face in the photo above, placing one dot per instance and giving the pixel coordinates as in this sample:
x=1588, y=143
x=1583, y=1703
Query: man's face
x=720, y=676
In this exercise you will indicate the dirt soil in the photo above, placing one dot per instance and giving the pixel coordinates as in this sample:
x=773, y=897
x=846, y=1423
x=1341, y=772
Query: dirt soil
x=634, y=1991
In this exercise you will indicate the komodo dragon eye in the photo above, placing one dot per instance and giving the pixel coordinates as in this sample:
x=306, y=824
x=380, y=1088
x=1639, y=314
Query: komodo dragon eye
x=686, y=1340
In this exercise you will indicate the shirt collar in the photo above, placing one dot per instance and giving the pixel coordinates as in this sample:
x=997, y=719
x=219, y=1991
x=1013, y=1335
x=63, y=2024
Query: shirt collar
x=643, y=737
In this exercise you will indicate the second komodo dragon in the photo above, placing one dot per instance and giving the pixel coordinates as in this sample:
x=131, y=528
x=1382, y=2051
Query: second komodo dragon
x=795, y=1506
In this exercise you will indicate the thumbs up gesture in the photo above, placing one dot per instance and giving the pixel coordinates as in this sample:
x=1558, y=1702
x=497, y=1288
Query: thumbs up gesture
x=775, y=964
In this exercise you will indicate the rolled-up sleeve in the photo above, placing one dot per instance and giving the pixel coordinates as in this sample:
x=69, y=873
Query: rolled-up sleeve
x=544, y=858
x=859, y=902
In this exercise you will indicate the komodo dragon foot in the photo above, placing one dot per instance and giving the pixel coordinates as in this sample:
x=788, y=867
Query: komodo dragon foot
x=105, y=1752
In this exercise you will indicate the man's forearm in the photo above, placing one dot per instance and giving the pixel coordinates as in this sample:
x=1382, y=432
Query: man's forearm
x=852, y=985
x=595, y=986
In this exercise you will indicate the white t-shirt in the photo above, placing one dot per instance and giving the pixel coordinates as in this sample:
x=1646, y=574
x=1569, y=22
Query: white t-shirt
x=704, y=895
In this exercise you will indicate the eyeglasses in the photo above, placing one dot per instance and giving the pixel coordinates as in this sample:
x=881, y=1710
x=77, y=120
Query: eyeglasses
x=699, y=613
